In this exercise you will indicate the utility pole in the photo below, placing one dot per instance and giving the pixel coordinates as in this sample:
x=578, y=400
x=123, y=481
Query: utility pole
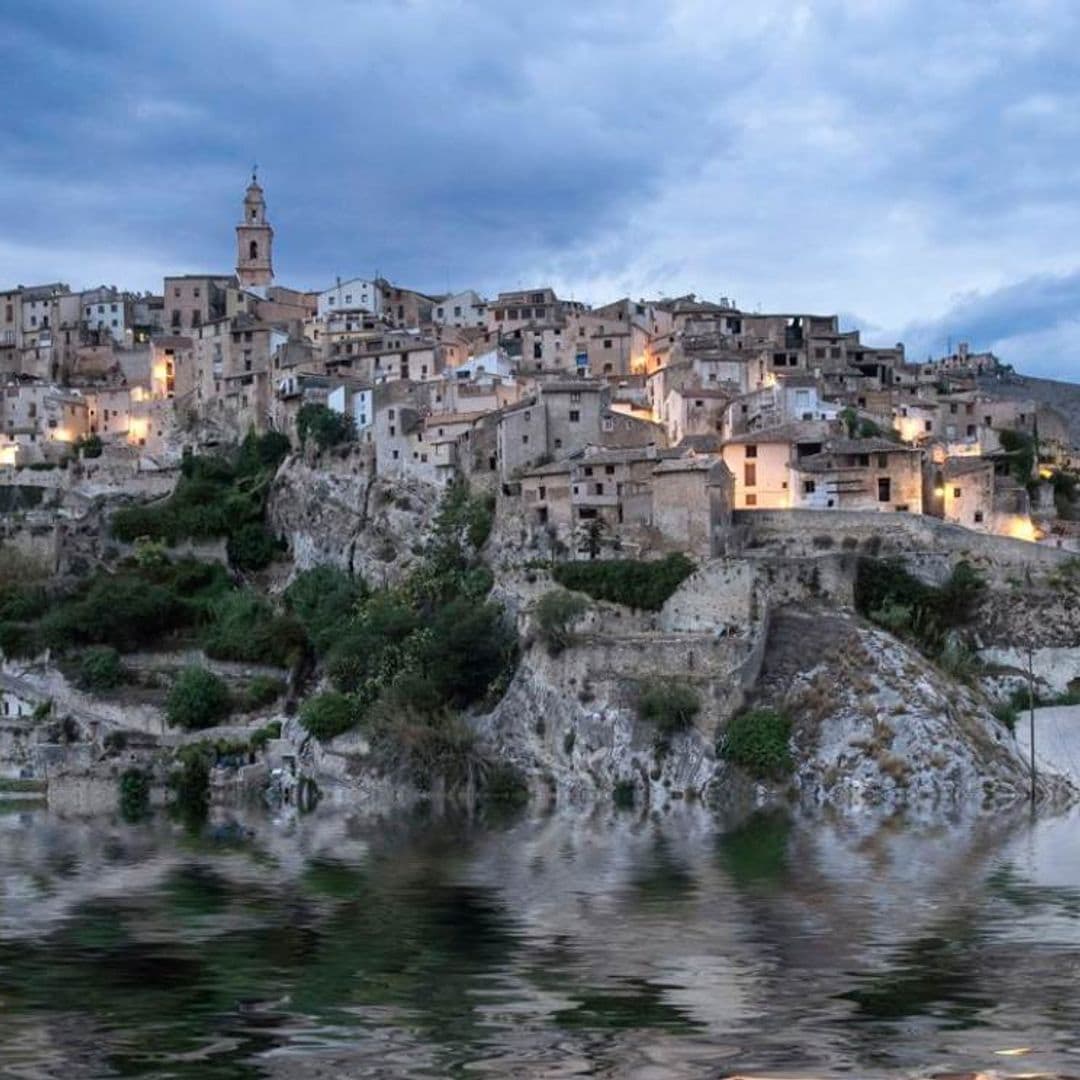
x=1031, y=714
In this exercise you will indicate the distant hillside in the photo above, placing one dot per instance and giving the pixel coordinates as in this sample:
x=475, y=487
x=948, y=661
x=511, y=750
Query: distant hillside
x=1063, y=397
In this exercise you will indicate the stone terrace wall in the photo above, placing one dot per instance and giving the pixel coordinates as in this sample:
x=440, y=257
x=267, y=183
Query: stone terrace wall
x=803, y=532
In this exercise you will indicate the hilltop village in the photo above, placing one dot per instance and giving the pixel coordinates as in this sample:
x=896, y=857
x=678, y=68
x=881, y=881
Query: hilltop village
x=602, y=535
x=647, y=422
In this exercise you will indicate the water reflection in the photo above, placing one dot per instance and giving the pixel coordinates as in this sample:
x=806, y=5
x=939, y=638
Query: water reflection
x=607, y=946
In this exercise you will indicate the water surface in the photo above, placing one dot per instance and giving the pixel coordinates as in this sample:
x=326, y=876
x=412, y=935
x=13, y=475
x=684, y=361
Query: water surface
x=618, y=945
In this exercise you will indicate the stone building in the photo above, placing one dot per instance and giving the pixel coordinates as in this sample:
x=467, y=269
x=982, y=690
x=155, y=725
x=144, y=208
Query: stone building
x=859, y=474
x=254, y=241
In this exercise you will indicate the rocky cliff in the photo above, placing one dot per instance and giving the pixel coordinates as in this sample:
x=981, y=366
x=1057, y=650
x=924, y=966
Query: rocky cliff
x=336, y=511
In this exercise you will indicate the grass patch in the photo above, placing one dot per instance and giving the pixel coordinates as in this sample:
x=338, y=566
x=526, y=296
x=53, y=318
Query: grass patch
x=758, y=741
x=639, y=584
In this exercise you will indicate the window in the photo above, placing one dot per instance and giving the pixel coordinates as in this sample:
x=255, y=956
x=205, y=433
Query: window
x=607, y=343
x=749, y=474
x=834, y=353
x=929, y=425
x=883, y=461
x=457, y=312
x=751, y=451
x=575, y=416
x=884, y=489
x=575, y=397
x=978, y=517
x=956, y=493
x=599, y=489
x=524, y=440
x=588, y=470
x=253, y=250
x=538, y=350
x=751, y=499
x=609, y=470
x=864, y=461
x=112, y=308
x=808, y=487
x=587, y=513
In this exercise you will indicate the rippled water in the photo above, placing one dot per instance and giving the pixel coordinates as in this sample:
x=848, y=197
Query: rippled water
x=615, y=946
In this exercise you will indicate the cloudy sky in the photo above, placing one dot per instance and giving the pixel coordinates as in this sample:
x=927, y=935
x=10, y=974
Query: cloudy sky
x=912, y=164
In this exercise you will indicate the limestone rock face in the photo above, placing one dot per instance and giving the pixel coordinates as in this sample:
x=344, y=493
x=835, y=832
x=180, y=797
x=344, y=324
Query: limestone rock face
x=337, y=512
x=877, y=725
x=576, y=747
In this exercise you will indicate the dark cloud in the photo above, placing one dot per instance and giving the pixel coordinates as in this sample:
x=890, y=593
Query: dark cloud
x=877, y=156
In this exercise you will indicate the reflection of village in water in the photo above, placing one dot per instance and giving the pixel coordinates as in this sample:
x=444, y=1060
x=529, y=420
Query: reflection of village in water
x=612, y=946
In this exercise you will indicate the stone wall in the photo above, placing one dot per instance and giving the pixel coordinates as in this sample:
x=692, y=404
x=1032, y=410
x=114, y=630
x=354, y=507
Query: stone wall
x=802, y=532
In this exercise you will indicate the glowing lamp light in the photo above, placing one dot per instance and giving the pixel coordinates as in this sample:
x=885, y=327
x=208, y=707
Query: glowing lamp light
x=939, y=491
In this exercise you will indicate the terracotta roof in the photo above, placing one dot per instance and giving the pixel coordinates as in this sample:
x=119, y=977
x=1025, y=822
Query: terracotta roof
x=784, y=433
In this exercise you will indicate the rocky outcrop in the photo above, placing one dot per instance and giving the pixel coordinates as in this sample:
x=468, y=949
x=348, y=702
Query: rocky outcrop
x=877, y=725
x=336, y=511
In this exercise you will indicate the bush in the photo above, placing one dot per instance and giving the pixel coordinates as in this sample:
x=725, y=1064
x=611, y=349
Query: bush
x=429, y=747
x=90, y=447
x=266, y=734
x=252, y=547
x=1005, y=714
x=556, y=612
x=324, y=426
x=324, y=599
x=636, y=584
x=134, y=795
x=122, y=610
x=101, y=669
x=245, y=627
x=191, y=790
x=263, y=690
x=1020, y=446
x=669, y=706
x=886, y=593
x=198, y=699
x=757, y=741
x=623, y=794
x=327, y=715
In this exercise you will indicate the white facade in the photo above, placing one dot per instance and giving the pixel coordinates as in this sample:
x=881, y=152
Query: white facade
x=106, y=312
x=356, y=294
x=462, y=309
x=355, y=403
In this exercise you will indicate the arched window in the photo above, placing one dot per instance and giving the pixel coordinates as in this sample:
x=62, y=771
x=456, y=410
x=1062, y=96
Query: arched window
x=253, y=250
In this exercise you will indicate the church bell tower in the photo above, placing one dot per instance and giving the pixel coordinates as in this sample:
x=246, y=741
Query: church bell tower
x=254, y=239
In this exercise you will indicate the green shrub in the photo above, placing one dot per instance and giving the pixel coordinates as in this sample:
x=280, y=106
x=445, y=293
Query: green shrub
x=22, y=603
x=90, y=447
x=198, y=699
x=624, y=794
x=134, y=795
x=1005, y=713
x=101, y=669
x=644, y=585
x=757, y=741
x=259, y=453
x=123, y=610
x=556, y=612
x=327, y=715
x=324, y=599
x=19, y=641
x=669, y=706
x=324, y=426
x=245, y=627
x=886, y=593
x=266, y=734
x=427, y=747
x=252, y=546
x=190, y=785
x=263, y=690
x=1020, y=446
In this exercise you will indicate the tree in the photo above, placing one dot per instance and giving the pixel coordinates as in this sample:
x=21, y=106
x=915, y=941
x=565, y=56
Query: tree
x=198, y=699
x=556, y=612
x=326, y=427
